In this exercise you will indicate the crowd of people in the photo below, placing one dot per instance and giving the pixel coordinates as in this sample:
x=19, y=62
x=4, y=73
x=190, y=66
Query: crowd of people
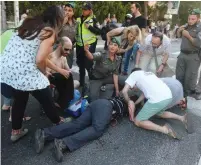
x=40, y=54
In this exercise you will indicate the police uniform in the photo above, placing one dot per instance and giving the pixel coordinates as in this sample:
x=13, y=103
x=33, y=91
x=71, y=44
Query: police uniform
x=188, y=61
x=103, y=71
x=85, y=36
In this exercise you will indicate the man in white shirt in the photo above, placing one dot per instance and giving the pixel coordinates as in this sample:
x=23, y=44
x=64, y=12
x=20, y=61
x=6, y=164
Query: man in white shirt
x=159, y=97
x=145, y=55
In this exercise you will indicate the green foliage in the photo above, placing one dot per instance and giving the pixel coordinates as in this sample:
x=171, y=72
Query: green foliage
x=36, y=7
x=9, y=10
x=100, y=8
x=158, y=11
x=182, y=17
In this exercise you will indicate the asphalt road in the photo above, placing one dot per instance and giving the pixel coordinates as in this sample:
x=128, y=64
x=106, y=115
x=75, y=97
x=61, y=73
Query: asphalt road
x=124, y=144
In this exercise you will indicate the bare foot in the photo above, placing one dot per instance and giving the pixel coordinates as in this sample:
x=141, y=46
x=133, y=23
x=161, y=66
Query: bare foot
x=171, y=132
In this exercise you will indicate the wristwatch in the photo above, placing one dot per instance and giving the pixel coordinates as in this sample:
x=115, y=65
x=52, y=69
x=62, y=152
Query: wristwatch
x=164, y=64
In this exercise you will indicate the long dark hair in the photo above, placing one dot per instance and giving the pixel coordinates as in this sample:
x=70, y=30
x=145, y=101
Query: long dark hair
x=52, y=17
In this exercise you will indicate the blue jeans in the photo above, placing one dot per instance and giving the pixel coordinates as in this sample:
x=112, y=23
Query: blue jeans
x=128, y=56
x=89, y=126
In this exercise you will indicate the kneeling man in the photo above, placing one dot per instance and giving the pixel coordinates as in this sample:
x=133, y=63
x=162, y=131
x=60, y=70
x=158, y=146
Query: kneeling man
x=159, y=98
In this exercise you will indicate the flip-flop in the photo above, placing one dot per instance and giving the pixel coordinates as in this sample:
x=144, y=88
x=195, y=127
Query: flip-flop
x=172, y=133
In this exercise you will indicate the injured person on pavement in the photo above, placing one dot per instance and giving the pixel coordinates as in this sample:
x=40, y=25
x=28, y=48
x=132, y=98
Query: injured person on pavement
x=89, y=126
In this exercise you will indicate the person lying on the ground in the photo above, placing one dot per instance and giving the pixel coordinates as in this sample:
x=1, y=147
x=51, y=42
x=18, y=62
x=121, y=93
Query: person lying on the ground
x=105, y=70
x=64, y=84
x=89, y=126
x=159, y=98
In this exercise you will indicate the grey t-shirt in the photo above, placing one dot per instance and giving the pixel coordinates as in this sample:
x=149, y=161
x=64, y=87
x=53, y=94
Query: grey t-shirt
x=176, y=89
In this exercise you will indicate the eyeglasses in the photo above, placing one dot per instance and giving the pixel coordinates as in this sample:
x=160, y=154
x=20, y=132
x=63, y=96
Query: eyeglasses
x=66, y=50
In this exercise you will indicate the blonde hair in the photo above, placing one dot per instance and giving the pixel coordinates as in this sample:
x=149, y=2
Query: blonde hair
x=135, y=30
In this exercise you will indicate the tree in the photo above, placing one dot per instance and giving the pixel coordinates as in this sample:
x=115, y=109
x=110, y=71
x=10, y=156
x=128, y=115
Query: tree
x=100, y=8
x=182, y=16
x=158, y=11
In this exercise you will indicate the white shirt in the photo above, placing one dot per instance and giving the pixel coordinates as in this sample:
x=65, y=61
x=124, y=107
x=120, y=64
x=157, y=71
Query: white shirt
x=154, y=89
x=168, y=27
x=18, y=65
x=164, y=48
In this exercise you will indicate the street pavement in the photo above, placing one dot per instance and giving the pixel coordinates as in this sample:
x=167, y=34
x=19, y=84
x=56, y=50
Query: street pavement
x=124, y=144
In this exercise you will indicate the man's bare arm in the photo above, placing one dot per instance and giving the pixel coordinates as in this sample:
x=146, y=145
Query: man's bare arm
x=114, y=32
x=141, y=98
x=125, y=93
x=139, y=53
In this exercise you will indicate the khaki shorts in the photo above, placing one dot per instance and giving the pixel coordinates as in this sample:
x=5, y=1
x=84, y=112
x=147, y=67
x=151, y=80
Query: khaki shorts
x=151, y=109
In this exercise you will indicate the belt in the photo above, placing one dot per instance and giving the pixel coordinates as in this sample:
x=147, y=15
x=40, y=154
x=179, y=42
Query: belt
x=189, y=52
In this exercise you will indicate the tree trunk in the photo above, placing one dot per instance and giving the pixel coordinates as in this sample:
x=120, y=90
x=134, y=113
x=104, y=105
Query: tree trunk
x=145, y=9
x=16, y=13
x=3, y=17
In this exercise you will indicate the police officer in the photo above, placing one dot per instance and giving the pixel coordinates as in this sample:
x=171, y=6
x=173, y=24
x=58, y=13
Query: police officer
x=188, y=61
x=87, y=31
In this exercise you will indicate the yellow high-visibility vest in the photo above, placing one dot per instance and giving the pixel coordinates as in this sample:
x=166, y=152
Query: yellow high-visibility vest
x=84, y=35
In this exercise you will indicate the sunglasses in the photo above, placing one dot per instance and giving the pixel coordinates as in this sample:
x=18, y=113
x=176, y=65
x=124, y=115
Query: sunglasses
x=66, y=50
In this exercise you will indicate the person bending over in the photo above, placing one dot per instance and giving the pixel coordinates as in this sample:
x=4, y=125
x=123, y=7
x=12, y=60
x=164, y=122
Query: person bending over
x=159, y=98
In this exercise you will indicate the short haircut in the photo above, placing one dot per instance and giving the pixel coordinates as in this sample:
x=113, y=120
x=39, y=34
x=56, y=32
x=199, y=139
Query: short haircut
x=158, y=34
x=136, y=69
x=63, y=40
x=137, y=5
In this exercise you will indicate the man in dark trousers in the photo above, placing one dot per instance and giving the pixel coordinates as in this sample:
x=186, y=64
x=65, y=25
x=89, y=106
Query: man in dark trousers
x=189, y=60
x=89, y=126
x=87, y=31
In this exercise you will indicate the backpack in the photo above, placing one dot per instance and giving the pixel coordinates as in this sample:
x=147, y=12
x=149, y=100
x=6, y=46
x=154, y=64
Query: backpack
x=77, y=106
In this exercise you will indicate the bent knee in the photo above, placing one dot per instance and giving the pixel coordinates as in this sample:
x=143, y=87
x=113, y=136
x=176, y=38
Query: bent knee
x=137, y=123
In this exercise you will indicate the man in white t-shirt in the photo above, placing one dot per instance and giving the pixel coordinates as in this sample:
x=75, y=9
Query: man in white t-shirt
x=159, y=97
